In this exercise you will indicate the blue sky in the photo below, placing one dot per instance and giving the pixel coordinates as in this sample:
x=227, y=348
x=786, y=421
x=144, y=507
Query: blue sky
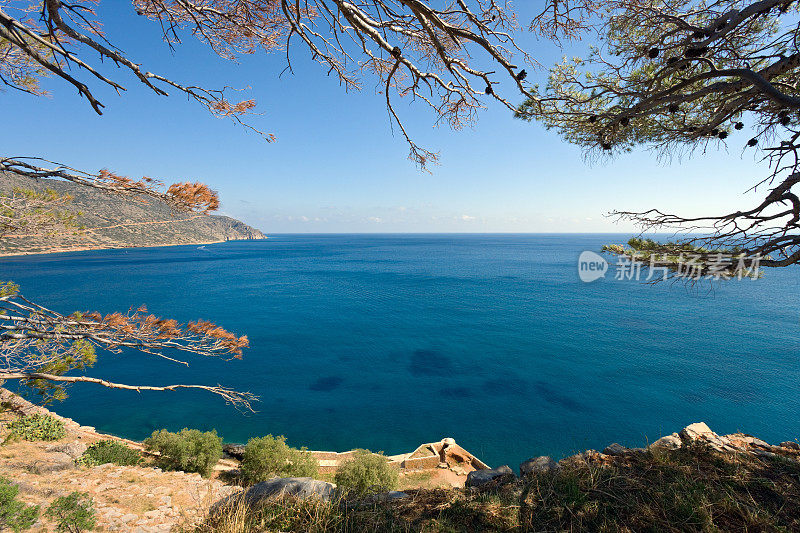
x=337, y=167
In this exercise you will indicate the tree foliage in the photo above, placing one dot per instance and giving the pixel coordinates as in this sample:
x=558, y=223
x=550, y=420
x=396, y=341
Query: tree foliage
x=435, y=54
x=40, y=346
x=189, y=450
x=366, y=473
x=268, y=457
x=109, y=451
x=37, y=427
x=14, y=514
x=73, y=513
x=686, y=75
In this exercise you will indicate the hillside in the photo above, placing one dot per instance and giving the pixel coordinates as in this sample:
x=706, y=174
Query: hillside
x=120, y=222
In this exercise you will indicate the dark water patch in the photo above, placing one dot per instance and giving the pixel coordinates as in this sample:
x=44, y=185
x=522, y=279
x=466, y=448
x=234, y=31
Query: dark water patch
x=326, y=384
x=456, y=392
x=430, y=363
x=505, y=385
x=556, y=397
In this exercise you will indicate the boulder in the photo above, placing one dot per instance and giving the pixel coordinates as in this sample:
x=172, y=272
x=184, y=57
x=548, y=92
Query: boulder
x=698, y=430
x=543, y=464
x=54, y=462
x=234, y=450
x=740, y=440
x=387, y=496
x=790, y=445
x=667, y=442
x=616, y=450
x=299, y=487
x=479, y=478
x=73, y=449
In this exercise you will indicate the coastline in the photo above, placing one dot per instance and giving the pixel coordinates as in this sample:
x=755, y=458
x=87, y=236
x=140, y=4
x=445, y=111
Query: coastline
x=88, y=248
x=750, y=485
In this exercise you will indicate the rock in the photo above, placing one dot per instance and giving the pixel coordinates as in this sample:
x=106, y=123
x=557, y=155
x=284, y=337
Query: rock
x=73, y=449
x=696, y=431
x=543, y=464
x=763, y=453
x=54, y=463
x=299, y=487
x=387, y=496
x=449, y=441
x=482, y=477
x=700, y=431
x=459, y=471
x=443, y=465
x=616, y=450
x=667, y=442
x=743, y=441
x=234, y=450
x=791, y=445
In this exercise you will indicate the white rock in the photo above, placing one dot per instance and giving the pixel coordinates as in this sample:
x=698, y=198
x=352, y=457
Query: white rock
x=696, y=431
x=667, y=442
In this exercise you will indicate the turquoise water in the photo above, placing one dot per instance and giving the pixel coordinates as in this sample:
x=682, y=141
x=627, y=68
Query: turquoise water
x=388, y=341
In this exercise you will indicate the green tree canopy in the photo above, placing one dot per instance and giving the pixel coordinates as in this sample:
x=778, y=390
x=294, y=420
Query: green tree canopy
x=680, y=76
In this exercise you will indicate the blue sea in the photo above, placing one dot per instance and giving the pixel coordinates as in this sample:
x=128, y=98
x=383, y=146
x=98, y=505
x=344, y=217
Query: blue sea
x=389, y=341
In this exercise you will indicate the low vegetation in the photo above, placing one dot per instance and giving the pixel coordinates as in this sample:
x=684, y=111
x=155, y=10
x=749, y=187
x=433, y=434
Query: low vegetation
x=366, y=473
x=110, y=451
x=268, y=457
x=690, y=489
x=73, y=513
x=36, y=427
x=189, y=450
x=14, y=514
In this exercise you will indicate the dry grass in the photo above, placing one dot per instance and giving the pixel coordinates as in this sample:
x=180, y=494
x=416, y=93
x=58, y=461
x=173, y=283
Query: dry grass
x=691, y=489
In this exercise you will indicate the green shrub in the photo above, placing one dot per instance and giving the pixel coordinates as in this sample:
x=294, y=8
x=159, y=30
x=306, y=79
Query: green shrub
x=73, y=513
x=267, y=457
x=14, y=514
x=37, y=427
x=109, y=451
x=366, y=473
x=190, y=450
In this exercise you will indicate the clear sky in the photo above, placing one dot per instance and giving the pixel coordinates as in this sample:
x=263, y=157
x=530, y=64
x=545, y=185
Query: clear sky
x=337, y=167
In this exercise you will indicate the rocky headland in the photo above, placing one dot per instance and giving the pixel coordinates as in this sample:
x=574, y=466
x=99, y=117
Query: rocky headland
x=115, y=221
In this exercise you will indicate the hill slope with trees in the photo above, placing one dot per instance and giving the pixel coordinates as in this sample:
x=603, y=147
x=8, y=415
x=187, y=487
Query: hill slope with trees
x=113, y=221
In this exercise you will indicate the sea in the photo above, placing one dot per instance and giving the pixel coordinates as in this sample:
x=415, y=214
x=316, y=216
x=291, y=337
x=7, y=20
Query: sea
x=390, y=341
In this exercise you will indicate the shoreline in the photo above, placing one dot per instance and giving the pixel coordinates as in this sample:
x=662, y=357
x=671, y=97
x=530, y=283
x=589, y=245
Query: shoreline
x=91, y=248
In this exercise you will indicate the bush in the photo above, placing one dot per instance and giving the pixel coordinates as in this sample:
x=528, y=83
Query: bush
x=269, y=456
x=73, y=513
x=14, y=514
x=37, y=427
x=190, y=450
x=109, y=451
x=366, y=473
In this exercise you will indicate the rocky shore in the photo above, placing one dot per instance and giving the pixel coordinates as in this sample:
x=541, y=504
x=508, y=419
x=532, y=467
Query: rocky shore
x=146, y=499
